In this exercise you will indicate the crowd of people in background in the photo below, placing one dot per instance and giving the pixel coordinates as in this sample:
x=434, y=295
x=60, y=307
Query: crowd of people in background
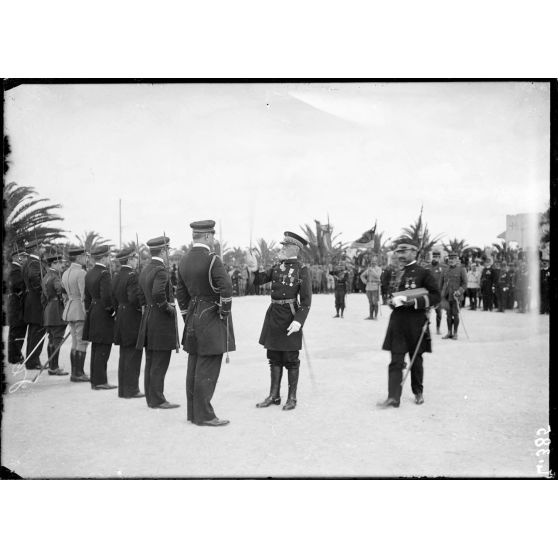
x=491, y=285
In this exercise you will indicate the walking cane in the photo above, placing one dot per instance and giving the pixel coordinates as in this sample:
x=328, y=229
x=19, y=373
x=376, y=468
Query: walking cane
x=20, y=368
x=408, y=368
x=460, y=316
x=308, y=362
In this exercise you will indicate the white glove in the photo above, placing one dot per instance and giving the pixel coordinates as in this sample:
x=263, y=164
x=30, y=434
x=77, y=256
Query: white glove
x=293, y=327
x=251, y=262
x=398, y=301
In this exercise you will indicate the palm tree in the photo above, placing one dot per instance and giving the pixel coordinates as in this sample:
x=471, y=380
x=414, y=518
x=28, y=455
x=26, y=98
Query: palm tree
x=266, y=252
x=318, y=251
x=91, y=240
x=235, y=256
x=419, y=235
x=503, y=252
x=457, y=246
x=28, y=216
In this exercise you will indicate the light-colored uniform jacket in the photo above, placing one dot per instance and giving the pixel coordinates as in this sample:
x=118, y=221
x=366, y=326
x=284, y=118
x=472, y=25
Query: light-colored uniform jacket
x=73, y=281
x=371, y=277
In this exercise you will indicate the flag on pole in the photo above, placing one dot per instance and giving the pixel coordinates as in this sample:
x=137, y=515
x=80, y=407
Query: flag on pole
x=366, y=240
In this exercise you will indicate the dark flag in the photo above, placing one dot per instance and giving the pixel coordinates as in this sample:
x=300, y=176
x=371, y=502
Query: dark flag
x=366, y=240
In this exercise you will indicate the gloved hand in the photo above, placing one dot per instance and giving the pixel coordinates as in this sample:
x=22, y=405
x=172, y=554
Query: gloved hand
x=294, y=326
x=223, y=313
x=169, y=309
x=457, y=294
x=398, y=301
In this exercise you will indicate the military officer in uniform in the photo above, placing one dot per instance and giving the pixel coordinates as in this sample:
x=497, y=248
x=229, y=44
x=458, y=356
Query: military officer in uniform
x=488, y=281
x=204, y=293
x=53, y=310
x=341, y=279
x=73, y=283
x=291, y=296
x=16, y=293
x=157, y=331
x=453, y=289
x=125, y=292
x=99, y=319
x=438, y=270
x=33, y=272
x=407, y=319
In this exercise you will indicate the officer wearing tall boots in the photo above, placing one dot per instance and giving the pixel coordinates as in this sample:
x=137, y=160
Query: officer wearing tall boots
x=157, y=331
x=54, y=308
x=204, y=293
x=125, y=292
x=16, y=294
x=99, y=320
x=33, y=272
x=406, y=324
x=291, y=296
x=73, y=283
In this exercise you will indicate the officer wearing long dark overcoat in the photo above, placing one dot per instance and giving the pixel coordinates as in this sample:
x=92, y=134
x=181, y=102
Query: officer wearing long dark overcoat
x=504, y=287
x=487, y=286
x=125, y=292
x=544, y=286
x=291, y=296
x=52, y=314
x=33, y=272
x=157, y=333
x=16, y=294
x=438, y=270
x=99, y=319
x=204, y=293
x=73, y=283
x=406, y=322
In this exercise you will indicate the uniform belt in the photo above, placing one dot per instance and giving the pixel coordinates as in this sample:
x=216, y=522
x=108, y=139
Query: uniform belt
x=289, y=301
x=283, y=301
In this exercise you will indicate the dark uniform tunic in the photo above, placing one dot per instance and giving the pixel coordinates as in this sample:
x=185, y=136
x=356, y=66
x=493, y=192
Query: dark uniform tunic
x=341, y=288
x=544, y=286
x=204, y=292
x=291, y=296
x=125, y=292
x=438, y=270
x=99, y=321
x=52, y=315
x=33, y=310
x=503, y=289
x=16, y=293
x=157, y=331
x=488, y=280
x=405, y=326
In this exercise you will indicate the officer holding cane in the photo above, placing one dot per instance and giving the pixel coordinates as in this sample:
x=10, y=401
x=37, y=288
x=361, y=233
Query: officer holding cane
x=406, y=324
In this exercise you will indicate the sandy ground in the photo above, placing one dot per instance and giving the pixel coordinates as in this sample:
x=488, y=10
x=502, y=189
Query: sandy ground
x=486, y=397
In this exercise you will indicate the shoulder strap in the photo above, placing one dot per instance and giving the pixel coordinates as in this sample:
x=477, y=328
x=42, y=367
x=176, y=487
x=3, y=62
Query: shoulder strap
x=214, y=257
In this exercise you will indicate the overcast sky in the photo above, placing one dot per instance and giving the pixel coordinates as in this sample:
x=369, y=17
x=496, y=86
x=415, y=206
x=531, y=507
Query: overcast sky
x=271, y=157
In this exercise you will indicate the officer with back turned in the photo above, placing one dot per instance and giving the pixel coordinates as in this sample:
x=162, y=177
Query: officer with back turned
x=157, y=331
x=16, y=293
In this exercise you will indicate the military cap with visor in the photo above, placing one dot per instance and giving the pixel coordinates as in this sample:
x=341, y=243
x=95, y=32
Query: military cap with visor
x=293, y=238
x=207, y=226
x=404, y=246
x=125, y=253
x=76, y=252
x=158, y=242
x=100, y=251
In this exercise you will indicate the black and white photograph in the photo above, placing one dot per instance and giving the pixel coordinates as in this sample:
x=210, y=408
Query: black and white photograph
x=286, y=279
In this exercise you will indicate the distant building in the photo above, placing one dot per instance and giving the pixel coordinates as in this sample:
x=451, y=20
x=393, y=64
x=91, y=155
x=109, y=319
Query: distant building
x=518, y=228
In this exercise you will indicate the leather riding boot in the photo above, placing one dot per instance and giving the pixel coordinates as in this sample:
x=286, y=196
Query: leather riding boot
x=80, y=375
x=49, y=354
x=274, y=397
x=293, y=382
x=73, y=361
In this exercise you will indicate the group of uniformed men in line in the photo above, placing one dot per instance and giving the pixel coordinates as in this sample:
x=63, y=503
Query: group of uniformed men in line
x=137, y=312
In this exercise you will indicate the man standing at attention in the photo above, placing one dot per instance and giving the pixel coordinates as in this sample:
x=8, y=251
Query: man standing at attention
x=125, y=292
x=99, y=320
x=157, y=331
x=73, y=282
x=291, y=295
x=453, y=288
x=371, y=277
x=409, y=316
x=438, y=270
x=16, y=293
x=204, y=293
